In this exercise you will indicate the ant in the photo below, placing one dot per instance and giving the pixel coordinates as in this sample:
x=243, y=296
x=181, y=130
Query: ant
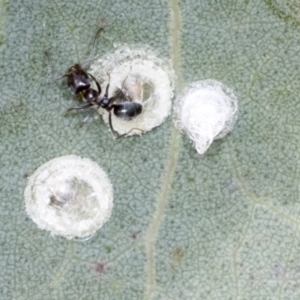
x=79, y=82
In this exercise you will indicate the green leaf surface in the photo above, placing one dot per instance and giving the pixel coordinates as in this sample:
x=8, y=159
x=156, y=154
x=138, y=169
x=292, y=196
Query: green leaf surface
x=224, y=225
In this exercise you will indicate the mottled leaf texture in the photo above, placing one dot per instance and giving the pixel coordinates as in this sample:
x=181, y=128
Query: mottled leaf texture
x=224, y=225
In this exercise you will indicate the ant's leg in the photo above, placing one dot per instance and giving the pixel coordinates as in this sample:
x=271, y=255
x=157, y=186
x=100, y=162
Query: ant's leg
x=125, y=134
x=84, y=106
x=88, y=117
x=115, y=134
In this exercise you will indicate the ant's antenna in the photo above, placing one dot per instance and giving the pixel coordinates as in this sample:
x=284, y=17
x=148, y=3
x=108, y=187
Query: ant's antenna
x=49, y=67
x=96, y=37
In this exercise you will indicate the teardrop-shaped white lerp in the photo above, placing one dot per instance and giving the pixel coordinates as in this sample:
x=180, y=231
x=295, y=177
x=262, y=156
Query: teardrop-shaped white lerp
x=142, y=76
x=69, y=196
x=206, y=111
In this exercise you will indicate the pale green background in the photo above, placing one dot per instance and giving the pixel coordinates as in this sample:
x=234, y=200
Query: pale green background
x=224, y=225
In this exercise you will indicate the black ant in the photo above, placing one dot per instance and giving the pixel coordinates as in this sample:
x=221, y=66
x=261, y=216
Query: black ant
x=79, y=82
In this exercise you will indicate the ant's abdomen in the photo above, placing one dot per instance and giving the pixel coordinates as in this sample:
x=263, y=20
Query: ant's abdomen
x=127, y=110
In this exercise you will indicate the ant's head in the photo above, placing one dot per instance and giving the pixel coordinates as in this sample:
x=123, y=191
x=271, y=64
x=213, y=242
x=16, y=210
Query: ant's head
x=75, y=69
x=78, y=79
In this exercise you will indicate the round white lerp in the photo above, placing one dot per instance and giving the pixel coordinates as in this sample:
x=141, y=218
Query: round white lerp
x=206, y=111
x=69, y=196
x=143, y=77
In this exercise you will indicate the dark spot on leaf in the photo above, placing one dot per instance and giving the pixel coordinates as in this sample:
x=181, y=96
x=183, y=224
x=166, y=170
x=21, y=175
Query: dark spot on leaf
x=177, y=255
x=134, y=234
x=100, y=268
